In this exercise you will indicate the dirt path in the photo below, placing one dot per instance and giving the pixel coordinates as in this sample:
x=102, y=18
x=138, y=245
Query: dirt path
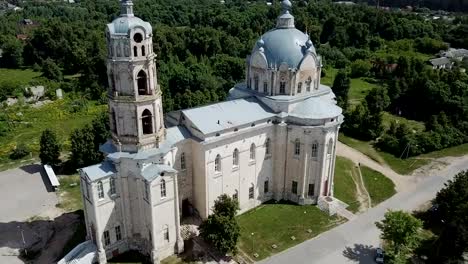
x=401, y=182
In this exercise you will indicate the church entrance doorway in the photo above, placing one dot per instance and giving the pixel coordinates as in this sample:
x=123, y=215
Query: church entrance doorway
x=186, y=208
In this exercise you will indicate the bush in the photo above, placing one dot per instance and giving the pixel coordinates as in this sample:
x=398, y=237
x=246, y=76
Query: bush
x=360, y=68
x=19, y=152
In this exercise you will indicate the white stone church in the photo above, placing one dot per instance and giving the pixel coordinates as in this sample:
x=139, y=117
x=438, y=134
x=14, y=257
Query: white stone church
x=274, y=138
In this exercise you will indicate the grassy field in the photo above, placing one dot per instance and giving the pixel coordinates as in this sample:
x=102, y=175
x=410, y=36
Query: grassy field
x=359, y=86
x=275, y=224
x=69, y=193
x=363, y=146
x=22, y=77
x=27, y=124
x=401, y=166
x=412, y=124
x=345, y=188
x=380, y=188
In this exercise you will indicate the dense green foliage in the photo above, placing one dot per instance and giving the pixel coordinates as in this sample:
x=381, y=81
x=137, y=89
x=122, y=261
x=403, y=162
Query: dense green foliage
x=452, y=202
x=202, y=46
x=221, y=228
x=85, y=142
x=400, y=230
x=49, y=152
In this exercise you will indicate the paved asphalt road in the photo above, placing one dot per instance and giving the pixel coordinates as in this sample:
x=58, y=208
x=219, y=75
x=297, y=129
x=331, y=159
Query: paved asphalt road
x=355, y=241
x=24, y=192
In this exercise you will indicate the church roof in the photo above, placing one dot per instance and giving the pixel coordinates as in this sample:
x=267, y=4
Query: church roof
x=153, y=171
x=316, y=108
x=173, y=136
x=99, y=171
x=218, y=117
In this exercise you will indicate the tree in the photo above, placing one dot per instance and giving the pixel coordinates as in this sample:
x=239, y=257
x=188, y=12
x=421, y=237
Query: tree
x=49, y=152
x=221, y=228
x=340, y=87
x=19, y=152
x=452, y=209
x=377, y=100
x=51, y=71
x=360, y=68
x=85, y=142
x=400, y=230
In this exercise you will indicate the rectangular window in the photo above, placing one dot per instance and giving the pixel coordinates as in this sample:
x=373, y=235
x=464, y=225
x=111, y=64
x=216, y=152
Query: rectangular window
x=314, y=150
x=265, y=186
x=299, y=87
x=163, y=188
x=118, y=234
x=166, y=233
x=112, y=186
x=311, y=189
x=294, y=187
x=146, y=191
x=282, y=87
x=106, y=238
x=256, y=83
x=182, y=162
x=100, y=188
x=251, y=192
x=265, y=87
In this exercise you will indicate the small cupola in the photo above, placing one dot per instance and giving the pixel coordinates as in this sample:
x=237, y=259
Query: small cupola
x=285, y=20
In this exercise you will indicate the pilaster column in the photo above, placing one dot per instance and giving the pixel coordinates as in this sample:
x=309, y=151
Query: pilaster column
x=180, y=241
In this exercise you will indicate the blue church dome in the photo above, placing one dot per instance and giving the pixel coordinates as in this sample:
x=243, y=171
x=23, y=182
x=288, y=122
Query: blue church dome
x=127, y=21
x=284, y=43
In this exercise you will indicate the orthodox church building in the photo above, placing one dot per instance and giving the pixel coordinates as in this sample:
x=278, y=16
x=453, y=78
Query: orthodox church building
x=273, y=138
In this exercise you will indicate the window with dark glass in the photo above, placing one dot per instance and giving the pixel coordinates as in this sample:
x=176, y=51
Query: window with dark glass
x=311, y=190
x=251, y=192
x=266, y=186
x=282, y=87
x=294, y=187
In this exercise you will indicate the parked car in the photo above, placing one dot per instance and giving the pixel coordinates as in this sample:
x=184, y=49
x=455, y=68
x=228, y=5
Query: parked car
x=379, y=256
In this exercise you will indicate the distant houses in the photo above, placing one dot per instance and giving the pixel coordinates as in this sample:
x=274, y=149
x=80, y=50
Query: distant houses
x=447, y=59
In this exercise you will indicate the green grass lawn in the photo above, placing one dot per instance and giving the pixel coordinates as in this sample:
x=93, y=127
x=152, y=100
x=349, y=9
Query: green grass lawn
x=277, y=223
x=345, y=188
x=27, y=124
x=69, y=193
x=359, y=86
x=412, y=124
x=380, y=188
x=363, y=146
x=22, y=77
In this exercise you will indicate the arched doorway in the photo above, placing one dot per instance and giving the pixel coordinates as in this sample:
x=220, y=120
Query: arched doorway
x=147, y=122
x=142, y=83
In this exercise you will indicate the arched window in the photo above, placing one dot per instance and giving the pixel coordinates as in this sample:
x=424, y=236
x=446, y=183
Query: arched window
x=267, y=147
x=266, y=186
x=182, y=161
x=147, y=122
x=218, y=163
x=252, y=152
x=314, y=149
x=265, y=87
x=114, y=122
x=256, y=83
x=163, y=188
x=309, y=83
x=297, y=147
x=143, y=53
x=299, y=87
x=112, y=186
x=142, y=83
x=235, y=158
x=100, y=189
x=137, y=38
x=282, y=87
x=135, y=51
x=166, y=233
x=330, y=146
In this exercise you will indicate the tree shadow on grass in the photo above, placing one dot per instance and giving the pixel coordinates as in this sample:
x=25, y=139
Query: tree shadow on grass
x=362, y=254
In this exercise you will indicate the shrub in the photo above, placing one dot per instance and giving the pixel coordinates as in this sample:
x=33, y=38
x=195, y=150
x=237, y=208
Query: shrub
x=19, y=152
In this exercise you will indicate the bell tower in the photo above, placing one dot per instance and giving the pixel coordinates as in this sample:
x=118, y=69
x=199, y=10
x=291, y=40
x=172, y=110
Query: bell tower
x=135, y=103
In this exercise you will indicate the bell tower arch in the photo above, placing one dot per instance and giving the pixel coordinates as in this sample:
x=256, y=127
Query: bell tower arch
x=135, y=102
